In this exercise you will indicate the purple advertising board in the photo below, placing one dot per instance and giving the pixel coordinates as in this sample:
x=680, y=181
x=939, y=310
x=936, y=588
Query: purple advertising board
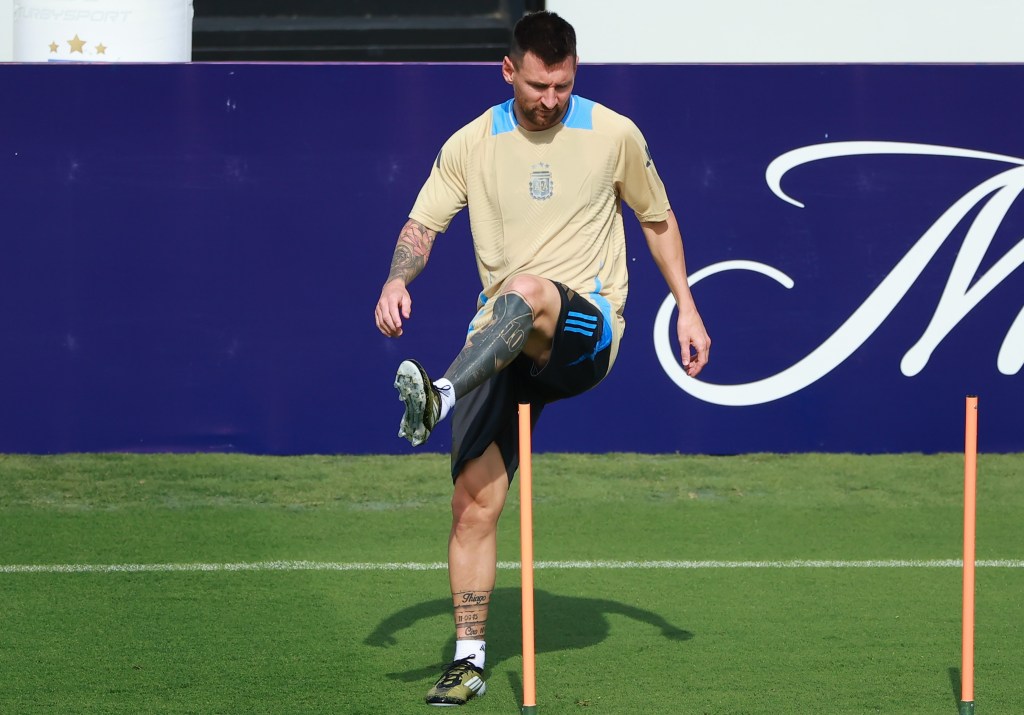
x=191, y=255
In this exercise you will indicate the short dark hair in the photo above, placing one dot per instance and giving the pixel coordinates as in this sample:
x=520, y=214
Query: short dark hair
x=546, y=35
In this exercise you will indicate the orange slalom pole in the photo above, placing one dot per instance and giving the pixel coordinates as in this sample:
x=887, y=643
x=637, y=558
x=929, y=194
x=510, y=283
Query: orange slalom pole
x=526, y=551
x=970, y=502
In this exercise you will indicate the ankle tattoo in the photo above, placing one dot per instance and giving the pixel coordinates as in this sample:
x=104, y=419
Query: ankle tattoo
x=471, y=614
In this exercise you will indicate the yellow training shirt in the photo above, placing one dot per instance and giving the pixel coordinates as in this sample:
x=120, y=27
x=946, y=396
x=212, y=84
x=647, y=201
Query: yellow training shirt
x=547, y=203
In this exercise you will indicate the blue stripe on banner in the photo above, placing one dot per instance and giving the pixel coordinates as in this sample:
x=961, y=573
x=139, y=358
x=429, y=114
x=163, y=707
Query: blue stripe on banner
x=581, y=331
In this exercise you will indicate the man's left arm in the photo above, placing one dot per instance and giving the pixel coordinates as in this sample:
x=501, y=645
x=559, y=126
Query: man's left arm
x=666, y=245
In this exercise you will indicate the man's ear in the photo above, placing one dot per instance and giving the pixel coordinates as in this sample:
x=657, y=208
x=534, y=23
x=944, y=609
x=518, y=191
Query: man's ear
x=508, y=69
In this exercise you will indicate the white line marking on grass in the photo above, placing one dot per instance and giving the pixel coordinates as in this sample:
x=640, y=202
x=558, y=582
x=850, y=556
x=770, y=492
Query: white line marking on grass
x=199, y=567
x=510, y=565
x=794, y=564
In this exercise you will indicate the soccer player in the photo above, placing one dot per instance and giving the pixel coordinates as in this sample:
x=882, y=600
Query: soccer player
x=544, y=175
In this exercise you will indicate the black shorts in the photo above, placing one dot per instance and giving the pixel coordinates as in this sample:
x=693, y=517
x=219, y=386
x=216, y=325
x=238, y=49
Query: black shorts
x=579, y=359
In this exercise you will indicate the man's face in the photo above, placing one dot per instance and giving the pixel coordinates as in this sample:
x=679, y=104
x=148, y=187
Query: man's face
x=541, y=91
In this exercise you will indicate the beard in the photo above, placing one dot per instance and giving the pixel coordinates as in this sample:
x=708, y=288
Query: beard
x=541, y=118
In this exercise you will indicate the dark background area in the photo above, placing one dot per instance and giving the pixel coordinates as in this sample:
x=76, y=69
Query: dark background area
x=192, y=254
x=354, y=30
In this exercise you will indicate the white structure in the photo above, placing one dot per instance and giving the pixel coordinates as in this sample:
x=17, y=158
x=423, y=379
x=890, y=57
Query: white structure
x=6, y=30
x=102, y=31
x=751, y=31
x=724, y=30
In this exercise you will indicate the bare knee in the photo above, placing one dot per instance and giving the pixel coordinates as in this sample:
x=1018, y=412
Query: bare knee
x=546, y=303
x=480, y=492
x=473, y=512
x=536, y=291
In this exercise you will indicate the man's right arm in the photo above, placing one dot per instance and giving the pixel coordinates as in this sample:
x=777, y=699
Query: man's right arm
x=442, y=196
x=411, y=254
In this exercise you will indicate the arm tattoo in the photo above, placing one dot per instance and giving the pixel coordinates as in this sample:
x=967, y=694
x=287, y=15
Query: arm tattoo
x=412, y=251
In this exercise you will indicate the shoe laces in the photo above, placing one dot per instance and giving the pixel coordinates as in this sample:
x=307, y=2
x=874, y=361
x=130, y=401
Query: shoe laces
x=434, y=406
x=453, y=674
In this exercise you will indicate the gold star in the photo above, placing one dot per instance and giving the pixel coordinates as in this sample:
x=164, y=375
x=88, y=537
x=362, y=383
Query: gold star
x=101, y=49
x=53, y=47
x=76, y=44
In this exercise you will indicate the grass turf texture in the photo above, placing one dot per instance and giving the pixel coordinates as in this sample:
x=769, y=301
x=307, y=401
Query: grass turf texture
x=721, y=640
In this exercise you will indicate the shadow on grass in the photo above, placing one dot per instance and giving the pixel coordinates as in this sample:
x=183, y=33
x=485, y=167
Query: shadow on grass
x=954, y=684
x=561, y=623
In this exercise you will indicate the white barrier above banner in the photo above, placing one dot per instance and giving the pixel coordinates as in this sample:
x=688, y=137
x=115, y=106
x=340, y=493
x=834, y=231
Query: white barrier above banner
x=102, y=30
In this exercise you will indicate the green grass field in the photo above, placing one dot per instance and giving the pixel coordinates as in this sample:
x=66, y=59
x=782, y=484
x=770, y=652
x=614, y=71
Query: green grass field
x=242, y=584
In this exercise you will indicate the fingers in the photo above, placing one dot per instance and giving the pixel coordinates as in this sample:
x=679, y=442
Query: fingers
x=694, y=344
x=386, y=323
x=392, y=307
x=389, y=321
x=694, y=362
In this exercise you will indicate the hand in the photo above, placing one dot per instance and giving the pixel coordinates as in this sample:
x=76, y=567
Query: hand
x=394, y=305
x=694, y=341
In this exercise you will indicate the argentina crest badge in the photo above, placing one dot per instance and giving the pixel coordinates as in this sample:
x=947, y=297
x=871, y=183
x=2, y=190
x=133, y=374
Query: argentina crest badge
x=541, y=185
